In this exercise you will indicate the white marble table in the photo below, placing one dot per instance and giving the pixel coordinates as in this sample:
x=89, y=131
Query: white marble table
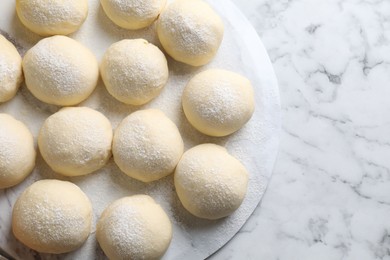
x=329, y=197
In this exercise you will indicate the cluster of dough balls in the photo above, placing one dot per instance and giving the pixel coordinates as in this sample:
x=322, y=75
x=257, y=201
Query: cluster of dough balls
x=189, y=30
x=60, y=71
x=53, y=216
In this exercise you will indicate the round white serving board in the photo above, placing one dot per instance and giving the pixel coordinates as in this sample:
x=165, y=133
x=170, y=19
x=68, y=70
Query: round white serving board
x=255, y=145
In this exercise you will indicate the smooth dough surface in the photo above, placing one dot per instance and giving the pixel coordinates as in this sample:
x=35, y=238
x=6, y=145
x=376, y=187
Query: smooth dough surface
x=52, y=216
x=10, y=70
x=134, y=228
x=60, y=71
x=17, y=152
x=190, y=31
x=218, y=102
x=76, y=141
x=134, y=71
x=147, y=145
x=133, y=14
x=52, y=17
x=210, y=183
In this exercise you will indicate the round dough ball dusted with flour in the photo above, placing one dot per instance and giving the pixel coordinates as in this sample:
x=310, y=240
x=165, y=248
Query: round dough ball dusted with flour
x=134, y=71
x=190, y=31
x=134, y=228
x=17, y=152
x=52, y=216
x=133, y=14
x=147, y=145
x=52, y=17
x=76, y=141
x=60, y=71
x=218, y=102
x=210, y=183
x=10, y=70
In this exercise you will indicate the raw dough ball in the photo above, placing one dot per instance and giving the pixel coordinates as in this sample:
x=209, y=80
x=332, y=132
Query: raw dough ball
x=210, y=182
x=52, y=216
x=10, y=70
x=190, y=31
x=76, y=141
x=134, y=228
x=218, y=102
x=134, y=71
x=52, y=17
x=133, y=14
x=147, y=145
x=60, y=71
x=17, y=152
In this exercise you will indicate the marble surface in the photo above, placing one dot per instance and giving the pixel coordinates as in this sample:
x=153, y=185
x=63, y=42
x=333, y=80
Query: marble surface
x=329, y=197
